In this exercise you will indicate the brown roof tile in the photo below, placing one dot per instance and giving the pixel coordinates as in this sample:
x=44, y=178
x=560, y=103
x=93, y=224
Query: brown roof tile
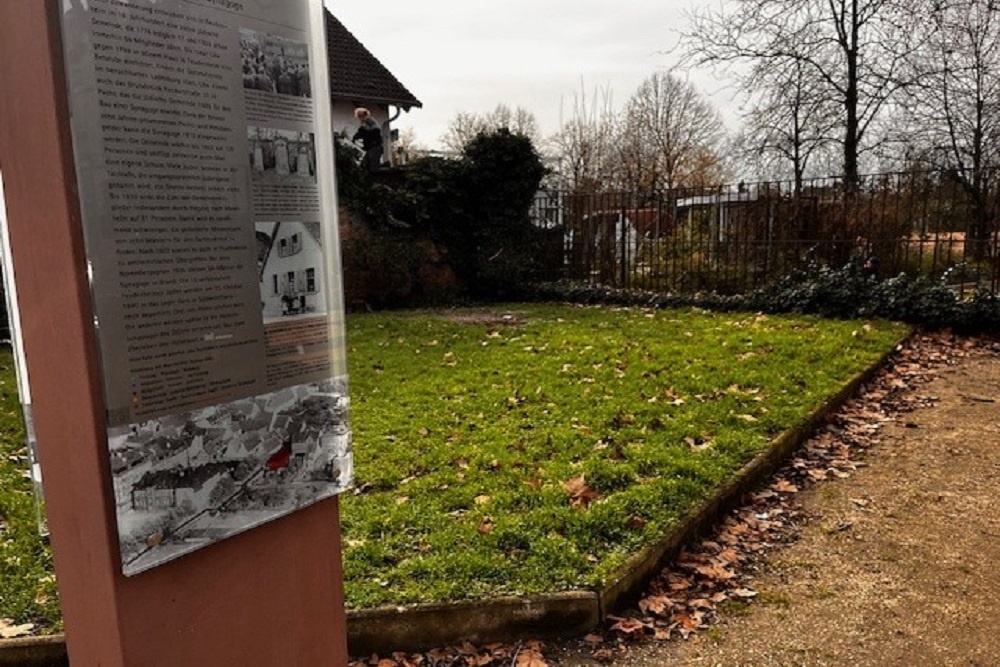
x=358, y=76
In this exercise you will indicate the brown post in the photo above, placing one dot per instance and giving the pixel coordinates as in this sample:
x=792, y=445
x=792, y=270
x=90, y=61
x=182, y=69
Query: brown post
x=271, y=596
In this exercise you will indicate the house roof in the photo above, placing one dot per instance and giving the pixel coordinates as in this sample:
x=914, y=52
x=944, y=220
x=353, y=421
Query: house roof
x=357, y=76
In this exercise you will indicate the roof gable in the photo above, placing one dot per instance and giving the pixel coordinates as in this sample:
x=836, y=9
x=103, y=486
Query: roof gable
x=356, y=75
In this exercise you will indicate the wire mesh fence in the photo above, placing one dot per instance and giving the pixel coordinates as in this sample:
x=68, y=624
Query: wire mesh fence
x=731, y=239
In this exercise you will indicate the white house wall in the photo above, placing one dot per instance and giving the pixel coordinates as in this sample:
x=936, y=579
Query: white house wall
x=309, y=257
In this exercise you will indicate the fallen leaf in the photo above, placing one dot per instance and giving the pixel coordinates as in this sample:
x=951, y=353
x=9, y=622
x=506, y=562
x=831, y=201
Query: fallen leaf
x=656, y=604
x=604, y=655
x=580, y=495
x=784, y=486
x=744, y=593
x=9, y=630
x=467, y=648
x=701, y=603
x=531, y=658
x=628, y=626
x=715, y=572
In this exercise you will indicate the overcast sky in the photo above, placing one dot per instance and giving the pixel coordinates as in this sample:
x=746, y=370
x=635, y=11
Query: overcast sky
x=538, y=54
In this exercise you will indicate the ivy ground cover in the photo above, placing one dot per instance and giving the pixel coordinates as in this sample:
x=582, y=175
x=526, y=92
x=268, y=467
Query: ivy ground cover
x=524, y=449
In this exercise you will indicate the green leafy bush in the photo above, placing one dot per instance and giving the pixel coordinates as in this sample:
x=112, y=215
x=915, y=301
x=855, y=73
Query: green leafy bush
x=476, y=208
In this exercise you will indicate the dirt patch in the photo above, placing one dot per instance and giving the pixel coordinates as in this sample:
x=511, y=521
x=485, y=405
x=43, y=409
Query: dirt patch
x=893, y=566
x=484, y=318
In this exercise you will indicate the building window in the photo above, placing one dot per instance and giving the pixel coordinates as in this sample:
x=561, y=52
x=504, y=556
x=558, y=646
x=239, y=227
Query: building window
x=311, y=281
x=290, y=245
x=291, y=282
x=274, y=284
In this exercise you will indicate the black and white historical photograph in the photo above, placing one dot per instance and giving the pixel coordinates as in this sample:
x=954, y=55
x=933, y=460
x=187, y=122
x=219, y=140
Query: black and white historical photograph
x=281, y=156
x=274, y=64
x=186, y=480
x=290, y=260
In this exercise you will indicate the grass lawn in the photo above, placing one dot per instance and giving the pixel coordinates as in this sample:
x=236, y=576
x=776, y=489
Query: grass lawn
x=530, y=452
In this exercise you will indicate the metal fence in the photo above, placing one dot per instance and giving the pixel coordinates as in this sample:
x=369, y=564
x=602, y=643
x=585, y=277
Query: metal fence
x=732, y=239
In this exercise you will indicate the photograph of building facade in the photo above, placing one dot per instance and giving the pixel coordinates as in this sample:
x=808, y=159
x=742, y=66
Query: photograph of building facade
x=290, y=257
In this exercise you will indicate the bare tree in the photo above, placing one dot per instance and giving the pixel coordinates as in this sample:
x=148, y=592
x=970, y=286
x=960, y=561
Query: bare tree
x=584, y=144
x=789, y=124
x=851, y=51
x=465, y=126
x=954, y=113
x=669, y=136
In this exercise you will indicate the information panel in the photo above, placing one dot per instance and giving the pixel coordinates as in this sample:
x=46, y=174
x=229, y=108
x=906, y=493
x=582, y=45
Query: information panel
x=203, y=147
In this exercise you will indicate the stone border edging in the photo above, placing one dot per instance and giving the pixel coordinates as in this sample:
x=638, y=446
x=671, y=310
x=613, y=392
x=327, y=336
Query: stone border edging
x=34, y=652
x=387, y=629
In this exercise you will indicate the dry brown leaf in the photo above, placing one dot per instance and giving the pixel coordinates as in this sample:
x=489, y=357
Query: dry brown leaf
x=604, y=655
x=701, y=603
x=784, y=486
x=656, y=604
x=580, y=495
x=467, y=648
x=531, y=658
x=729, y=556
x=715, y=572
x=630, y=627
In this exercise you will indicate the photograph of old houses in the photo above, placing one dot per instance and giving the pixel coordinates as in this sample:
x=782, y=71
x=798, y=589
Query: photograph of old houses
x=274, y=64
x=281, y=156
x=186, y=480
x=290, y=259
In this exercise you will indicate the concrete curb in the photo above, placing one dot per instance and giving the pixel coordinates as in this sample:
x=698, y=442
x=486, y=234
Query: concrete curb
x=388, y=629
x=34, y=652
x=426, y=626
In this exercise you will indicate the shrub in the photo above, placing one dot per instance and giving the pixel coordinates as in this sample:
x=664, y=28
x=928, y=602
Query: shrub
x=474, y=209
x=841, y=293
